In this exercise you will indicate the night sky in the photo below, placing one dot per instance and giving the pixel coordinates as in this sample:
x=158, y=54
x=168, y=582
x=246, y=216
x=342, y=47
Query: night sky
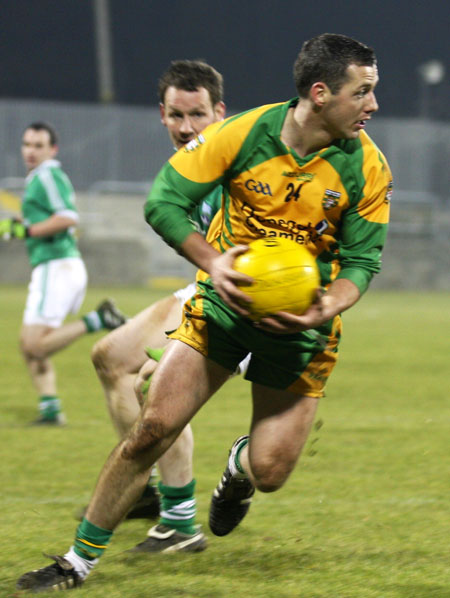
x=48, y=47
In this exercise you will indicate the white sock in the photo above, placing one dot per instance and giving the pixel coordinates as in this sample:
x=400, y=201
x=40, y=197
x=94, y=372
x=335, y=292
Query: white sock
x=82, y=566
x=232, y=462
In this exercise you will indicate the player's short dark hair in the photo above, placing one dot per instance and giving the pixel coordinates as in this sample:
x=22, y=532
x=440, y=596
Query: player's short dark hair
x=42, y=126
x=189, y=75
x=326, y=58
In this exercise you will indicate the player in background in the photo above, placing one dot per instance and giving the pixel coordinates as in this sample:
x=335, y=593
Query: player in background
x=303, y=169
x=191, y=97
x=59, y=279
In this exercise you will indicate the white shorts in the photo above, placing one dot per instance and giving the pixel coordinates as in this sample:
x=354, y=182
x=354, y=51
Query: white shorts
x=57, y=288
x=184, y=294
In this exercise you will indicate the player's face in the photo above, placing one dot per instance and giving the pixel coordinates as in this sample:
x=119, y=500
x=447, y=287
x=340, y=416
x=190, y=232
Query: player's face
x=36, y=147
x=187, y=113
x=347, y=112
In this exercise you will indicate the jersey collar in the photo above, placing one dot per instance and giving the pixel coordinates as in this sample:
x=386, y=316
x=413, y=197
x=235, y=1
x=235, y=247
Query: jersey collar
x=51, y=163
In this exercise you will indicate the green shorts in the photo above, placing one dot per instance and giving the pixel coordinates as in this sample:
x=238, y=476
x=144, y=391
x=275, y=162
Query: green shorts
x=300, y=363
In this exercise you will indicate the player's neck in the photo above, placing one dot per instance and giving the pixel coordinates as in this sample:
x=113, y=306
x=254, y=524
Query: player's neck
x=301, y=132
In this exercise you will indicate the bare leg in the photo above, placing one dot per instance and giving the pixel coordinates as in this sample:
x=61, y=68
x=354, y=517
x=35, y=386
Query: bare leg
x=119, y=356
x=280, y=427
x=175, y=466
x=37, y=342
x=182, y=383
x=43, y=375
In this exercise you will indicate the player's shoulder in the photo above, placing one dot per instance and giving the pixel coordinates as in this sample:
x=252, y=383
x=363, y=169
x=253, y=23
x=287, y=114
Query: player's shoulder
x=245, y=121
x=362, y=151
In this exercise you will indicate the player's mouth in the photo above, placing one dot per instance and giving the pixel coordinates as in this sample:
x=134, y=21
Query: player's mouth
x=361, y=124
x=186, y=139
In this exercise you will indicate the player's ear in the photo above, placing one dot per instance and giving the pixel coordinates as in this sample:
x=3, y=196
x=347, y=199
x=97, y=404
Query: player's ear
x=319, y=94
x=162, y=113
x=219, y=110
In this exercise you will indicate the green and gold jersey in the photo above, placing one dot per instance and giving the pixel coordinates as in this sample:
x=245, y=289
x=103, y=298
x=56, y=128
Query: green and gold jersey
x=48, y=191
x=334, y=201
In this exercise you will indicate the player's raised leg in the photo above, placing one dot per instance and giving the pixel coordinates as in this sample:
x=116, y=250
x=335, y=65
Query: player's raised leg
x=119, y=356
x=264, y=460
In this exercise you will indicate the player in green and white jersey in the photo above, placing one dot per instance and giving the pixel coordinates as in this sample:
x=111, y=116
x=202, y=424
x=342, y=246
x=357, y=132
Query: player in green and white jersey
x=59, y=277
x=191, y=97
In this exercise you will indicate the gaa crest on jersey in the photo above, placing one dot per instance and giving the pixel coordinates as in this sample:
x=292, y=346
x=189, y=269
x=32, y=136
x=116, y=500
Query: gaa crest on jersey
x=330, y=199
x=194, y=144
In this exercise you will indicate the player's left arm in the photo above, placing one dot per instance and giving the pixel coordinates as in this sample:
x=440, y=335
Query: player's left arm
x=340, y=295
x=363, y=234
x=364, y=226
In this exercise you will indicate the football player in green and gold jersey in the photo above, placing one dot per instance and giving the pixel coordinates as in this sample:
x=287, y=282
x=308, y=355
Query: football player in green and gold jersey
x=303, y=169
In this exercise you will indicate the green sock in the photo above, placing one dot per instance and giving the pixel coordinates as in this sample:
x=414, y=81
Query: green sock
x=91, y=541
x=178, y=507
x=93, y=321
x=49, y=406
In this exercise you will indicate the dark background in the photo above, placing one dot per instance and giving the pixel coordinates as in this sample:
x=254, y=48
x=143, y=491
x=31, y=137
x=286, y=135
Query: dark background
x=48, y=47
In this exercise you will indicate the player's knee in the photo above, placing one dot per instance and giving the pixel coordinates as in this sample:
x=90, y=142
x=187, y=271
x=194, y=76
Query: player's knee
x=101, y=358
x=31, y=349
x=147, y=434
x=270, y=475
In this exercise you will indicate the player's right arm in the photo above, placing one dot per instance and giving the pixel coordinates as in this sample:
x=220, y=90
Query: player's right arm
x=220, y=267
x=182, y=184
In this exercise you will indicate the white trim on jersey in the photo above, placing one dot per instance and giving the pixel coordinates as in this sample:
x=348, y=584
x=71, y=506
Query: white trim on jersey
x=48, y=182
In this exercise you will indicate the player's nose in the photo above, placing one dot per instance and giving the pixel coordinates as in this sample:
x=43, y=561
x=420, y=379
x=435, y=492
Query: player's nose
x=186, y=125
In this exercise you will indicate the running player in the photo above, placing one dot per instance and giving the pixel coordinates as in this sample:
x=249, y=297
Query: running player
x=303, y=169
x=59, y=277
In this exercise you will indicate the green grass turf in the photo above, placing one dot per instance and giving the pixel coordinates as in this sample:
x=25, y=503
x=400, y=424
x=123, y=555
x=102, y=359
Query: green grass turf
x=364, y=515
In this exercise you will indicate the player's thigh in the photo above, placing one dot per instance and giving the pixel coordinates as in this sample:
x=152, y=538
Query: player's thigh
x=280, y=426
x=183, y=381
x=158, y=319
x=123, y=349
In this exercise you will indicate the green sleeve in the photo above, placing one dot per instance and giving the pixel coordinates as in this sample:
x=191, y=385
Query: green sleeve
x=171, y=202
x=360, y=249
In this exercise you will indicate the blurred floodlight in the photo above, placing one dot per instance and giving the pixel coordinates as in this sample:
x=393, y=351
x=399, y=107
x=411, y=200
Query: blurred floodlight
x=432, y=72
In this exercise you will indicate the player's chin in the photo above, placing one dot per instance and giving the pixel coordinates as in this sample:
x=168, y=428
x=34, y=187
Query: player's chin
x=353, y=134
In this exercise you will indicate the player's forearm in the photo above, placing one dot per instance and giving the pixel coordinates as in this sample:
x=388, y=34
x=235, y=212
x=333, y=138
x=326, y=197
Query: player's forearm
x=51, y=226
x=198, y=251
x=341, y=295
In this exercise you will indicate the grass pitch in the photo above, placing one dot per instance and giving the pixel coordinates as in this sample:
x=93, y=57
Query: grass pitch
x=364, y=515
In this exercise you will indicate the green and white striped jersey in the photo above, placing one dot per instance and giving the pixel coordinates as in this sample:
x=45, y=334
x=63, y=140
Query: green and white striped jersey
x=48, y=191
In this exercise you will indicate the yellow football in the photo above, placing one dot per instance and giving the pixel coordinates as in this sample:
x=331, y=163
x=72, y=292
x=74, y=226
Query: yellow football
x=285, y=276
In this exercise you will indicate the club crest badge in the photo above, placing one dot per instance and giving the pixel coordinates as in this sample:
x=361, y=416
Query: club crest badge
x=330, y=199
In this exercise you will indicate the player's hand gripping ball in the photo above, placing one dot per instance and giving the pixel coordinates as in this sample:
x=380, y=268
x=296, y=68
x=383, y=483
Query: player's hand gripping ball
x=285, y=276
